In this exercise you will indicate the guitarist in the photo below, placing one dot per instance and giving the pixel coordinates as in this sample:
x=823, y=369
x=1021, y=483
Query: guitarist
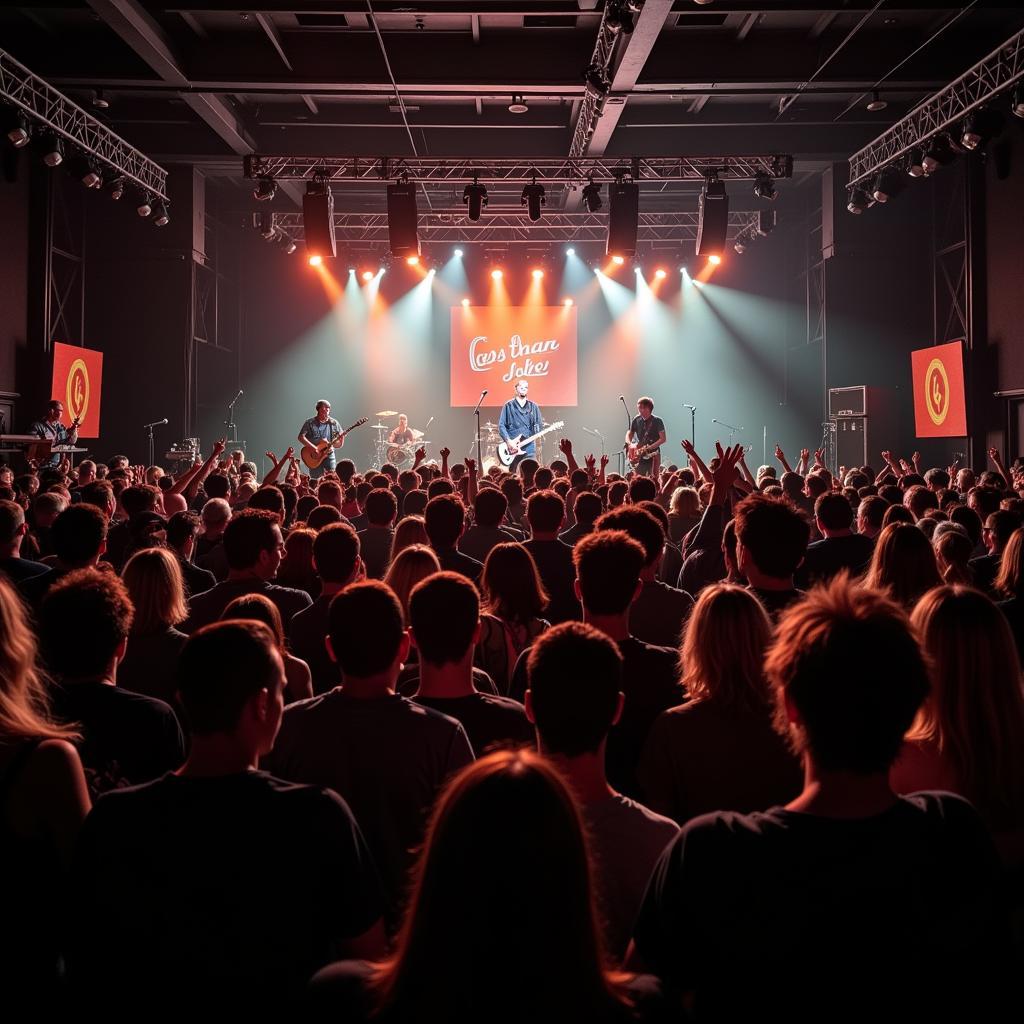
x=321, y=427
x=520, y=418
x=646, y=429
x=51, y=429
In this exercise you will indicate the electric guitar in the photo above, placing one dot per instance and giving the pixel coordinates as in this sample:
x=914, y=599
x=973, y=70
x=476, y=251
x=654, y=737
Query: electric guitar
x=315, y=459
x=640, y=453
x=507, y=458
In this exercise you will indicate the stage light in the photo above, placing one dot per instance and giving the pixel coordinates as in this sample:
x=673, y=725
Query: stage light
x=538, y=274
x=496, y=275
x=877, y=103
x=117, y=188
x=518, y=105
x=51, y=148
x=618, y=260
x=475, y=199
x=352, y=271
x=764, y=188
x=915, y=164
x=266, y=189
x=859, y=201
x=660, y=273
x=941, y=151
x=567, y=303
x=431, y=272
x=766, y=220
x=712, y=217
x=86, y=170
x=533, y=199
x=1017, y=102
x=99, y=101
x=265, y=224
x=413, y=261
x=458, y=253
x=145, y=207
x=592, y=196
x=980, y=126
x=888, y=184
x=367, y=275
x=619, y=15
x=161, y=218
x=18, y=133
x=740, y=245
x=315, y=261
x=714, y=259
x=570, y=252
x=597, y=80
x=465, y=303
x=290, y=247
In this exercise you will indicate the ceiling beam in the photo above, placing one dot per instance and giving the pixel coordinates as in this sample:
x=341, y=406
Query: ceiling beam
x=140, y=31
x=270, y=30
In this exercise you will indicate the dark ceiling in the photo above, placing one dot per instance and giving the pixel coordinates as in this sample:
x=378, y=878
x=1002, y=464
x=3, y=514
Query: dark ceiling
x=204, y=83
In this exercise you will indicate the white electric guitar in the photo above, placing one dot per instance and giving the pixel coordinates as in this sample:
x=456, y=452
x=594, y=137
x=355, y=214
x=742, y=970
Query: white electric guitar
x=507, y=457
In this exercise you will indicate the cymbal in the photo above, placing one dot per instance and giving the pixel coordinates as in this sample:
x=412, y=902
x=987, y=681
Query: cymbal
x=491, y=425
x=417, y=434
x=378, y=426
x=386, y=412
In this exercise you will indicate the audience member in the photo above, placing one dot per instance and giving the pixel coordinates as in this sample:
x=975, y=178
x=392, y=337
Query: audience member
x=12, y=532
x=209, y=550
x=182, y=530
x=999, y=527
x=545, y=512
x=444, y=521
x=840, y=548
x=489, y=511
x=903, y=564
x=585, y=510
x=376, y=539
x=771, y=541
x=79, y=537
x=297, y=569
x=410, y=566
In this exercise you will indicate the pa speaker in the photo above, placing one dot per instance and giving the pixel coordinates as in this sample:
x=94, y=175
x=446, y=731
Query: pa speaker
x=713, y=219
x=623, y=217
x=402, y=220
x=318, y=223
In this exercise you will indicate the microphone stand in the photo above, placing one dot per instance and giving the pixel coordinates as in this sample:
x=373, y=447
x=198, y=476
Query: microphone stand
x=629, y=423
x=479, y=440
x=149, y=428
x=732, y=430
x=230, y=421
x=693, y=423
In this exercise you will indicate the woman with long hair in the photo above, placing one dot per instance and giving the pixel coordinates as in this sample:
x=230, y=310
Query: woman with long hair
x=410, y=530
x=43, y=802
x=296, y=569
x=903, y=564
x=501, y=925
x=408, y=567
x=156, y=586
x=513, y=598
x=953, y=550
x=298, y=678
x=1009, y=585
x=719, y=751
x=969, y=735
x=683, y=514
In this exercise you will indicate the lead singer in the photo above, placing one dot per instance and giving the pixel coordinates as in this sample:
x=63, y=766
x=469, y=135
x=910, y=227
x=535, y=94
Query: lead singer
x=520, y=418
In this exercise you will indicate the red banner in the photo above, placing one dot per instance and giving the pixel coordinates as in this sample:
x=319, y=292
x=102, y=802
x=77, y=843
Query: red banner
x=77, y=382
x=940, y=407
x=493, y=347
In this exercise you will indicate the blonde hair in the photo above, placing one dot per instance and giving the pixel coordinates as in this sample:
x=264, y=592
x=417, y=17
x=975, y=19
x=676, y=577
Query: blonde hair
x=410, y=566
x=1010, y=581
x=24, y=704
x=685, y=502
x=257, y=608
x=975, y=711
x=723, y=649
x=411, y=530
x=153, y=579
x=903, y=564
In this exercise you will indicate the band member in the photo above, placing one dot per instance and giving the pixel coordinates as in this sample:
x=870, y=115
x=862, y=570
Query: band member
x=51, y=429
x=520, y=418
x=647, y=429
x=321, y=427
x=401, y=434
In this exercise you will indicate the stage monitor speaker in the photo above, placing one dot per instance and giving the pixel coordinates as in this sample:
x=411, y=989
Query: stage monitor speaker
x=852, y=441
x=713, y=219
x=402, y=233
x=623, y=218
x=318, y=223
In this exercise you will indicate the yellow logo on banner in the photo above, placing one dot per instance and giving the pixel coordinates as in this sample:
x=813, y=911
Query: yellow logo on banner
x=77, y=399
x=936, y=391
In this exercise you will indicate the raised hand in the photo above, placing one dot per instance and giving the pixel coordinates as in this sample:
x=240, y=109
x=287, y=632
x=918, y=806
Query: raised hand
x=219, y=447
x=725, y=473
x=445, y=452
x=915, y=458
x=470, y=466
x=993, y=454
x=779, y=453
x=272, y=457
x=604, y=461
x=589, y=461
x=805, y=454
x=565, y=446
x=819, y=456
x=691, y=451
x=421, y=454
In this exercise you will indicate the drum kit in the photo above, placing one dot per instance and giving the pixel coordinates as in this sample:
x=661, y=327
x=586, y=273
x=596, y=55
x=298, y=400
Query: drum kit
x=402, y=456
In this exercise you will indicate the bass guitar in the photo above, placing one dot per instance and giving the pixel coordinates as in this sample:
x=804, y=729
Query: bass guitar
x=507, y=458
x=637, y=453
x=314, y=459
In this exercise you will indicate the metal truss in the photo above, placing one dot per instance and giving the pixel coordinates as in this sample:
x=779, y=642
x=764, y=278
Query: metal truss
x=594, y=99
x=513, y=229
x=552, y=170
x=993, y=75
x=47, y=107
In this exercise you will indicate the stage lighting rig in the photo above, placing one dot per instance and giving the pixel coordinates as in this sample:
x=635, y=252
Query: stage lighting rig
x=474, y=197
x=265, y=190
x=740, y=243
x=859, y=201
x=619, y=15
x=979, y=127
x=18, y=133
x=592, y=196
x=51, y=148
x=766, y=221
x=915, y=163
x=942, y=150
x=265, y=224
x=161, y=218
x=145, y=207
x=533, y=199
x=117, y=187
x=597, y=80
x=764, y=188
x=888, y=184
x=1017, y=102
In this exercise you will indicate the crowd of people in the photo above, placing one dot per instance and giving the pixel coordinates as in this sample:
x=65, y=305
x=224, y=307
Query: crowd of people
x=555, y=745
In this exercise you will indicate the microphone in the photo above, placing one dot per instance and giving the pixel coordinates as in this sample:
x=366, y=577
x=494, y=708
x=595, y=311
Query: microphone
x=622, y=398
x=483, y=394
x=686, y=405
x=156, y=423
x=587, y=430
x=431, y=420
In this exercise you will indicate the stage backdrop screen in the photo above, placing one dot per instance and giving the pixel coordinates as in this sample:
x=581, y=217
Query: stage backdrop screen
x=940, y=409
x=495, y=346
x=77, y=382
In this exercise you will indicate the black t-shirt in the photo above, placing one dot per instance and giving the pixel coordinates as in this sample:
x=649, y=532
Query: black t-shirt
x=646, y=431
x=777, y=908
x=375, y=550
x=827, y=558
x=127, y=738
x=659, y=613
x=241, y=886
x=453, y=560
x=487, y=719
x=208, y=607
x=386, y=757
x=558, y=574
x=776, y=601
x=306, y=634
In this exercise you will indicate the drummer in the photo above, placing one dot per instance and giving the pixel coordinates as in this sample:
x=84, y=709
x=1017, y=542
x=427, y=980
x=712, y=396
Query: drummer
x=402, y=434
